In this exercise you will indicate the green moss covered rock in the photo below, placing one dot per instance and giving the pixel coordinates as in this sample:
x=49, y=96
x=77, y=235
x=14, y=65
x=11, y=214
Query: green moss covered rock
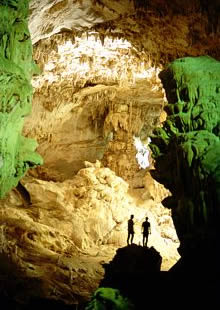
x=16, y=69
x=187, y=148
x=109, y=298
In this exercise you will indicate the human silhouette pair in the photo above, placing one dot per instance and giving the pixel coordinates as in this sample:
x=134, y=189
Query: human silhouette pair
x=145, y=230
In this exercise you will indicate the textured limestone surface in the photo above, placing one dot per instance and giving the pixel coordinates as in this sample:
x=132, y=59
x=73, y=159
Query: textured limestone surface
x=16, y=69
x=166, y=30
x=63, y=231
x=89, y=102
x=187, y=150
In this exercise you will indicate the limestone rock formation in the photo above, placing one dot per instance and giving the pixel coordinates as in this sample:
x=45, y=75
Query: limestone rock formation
x=166, y=30
x=59, y=233
x=97, y=86
x=16, y=68
x=187, y=150
x=133, y=271
x=134, y=274
x=89, y=102
x=130, y=270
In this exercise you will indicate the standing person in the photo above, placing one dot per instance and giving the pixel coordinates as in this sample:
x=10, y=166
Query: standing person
x=146, y=230
x=130, y=229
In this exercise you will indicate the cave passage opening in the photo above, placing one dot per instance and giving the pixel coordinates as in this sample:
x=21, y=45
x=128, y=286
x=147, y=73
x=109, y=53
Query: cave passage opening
x=112, y=99
x=143, y=152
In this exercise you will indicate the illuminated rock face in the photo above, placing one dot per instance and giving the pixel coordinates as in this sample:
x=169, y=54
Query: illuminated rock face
x=16, y=68
x=187, y=153
x=89, y=102
x=61, y=235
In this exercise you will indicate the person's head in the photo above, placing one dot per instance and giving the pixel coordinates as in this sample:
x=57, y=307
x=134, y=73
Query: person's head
x=146, y=218
x=132, y=216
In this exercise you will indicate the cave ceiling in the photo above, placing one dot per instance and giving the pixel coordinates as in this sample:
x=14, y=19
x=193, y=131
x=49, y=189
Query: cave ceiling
x=99, y=64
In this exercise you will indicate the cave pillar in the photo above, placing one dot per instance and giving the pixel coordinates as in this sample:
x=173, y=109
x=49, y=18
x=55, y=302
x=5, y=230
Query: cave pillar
x=123, y=122
x=187, y=154
x=16, y=69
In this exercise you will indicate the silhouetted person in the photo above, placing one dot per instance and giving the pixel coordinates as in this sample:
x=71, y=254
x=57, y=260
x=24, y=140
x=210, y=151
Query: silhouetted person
x=130, y=229
x=146, y=231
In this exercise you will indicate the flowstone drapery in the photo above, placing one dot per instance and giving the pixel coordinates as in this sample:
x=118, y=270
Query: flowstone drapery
x=16, y=69
x=187, y=154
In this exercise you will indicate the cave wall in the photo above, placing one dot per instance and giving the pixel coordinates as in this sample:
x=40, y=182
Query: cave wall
x=186, y=149
x=16, y=69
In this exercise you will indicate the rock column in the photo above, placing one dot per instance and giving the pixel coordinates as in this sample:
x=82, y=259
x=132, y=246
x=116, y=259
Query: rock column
x=16, y=69
x=187, y=154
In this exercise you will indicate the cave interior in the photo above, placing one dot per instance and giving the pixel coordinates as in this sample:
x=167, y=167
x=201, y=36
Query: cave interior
x=109, y=109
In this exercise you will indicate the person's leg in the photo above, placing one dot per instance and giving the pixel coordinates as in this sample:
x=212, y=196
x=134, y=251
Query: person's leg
x=146, y=239
x=132, y=237
x=128, y=238
x=143, y=239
